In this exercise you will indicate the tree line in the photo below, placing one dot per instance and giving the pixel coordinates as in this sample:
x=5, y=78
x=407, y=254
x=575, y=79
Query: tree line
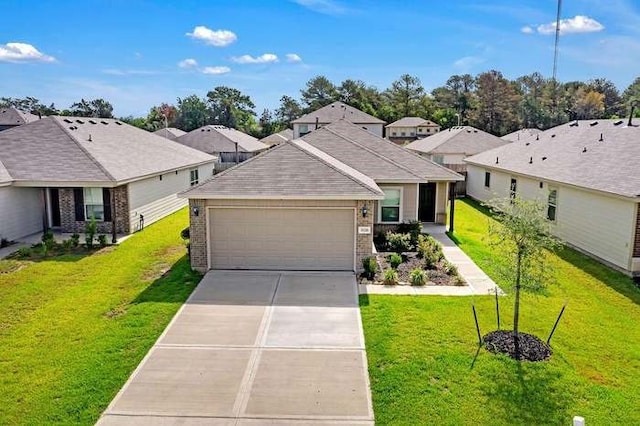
x=488, y=101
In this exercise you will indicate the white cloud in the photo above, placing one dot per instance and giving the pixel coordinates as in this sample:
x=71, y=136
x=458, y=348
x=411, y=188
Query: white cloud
x=466, y=62
x=527, y=29
x=292, y=57
x=218, y=38
x=216, y=70
x=327, y=7
x=22, y=52
x=262, y=59
x=188, y=63
x=577, y=24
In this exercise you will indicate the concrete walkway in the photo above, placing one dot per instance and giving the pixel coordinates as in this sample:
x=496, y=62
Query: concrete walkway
x=478, y=283
x=255, y=348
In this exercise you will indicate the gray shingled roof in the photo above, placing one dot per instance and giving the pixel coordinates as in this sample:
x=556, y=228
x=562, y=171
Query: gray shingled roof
x=376, y=157
x=465, y=140
x=520, y=134
x=336, y=111
x=610, y=165
x=70, y=149
x=5, y=177
x=411, y=122
x=214, y=139
x=170, y=133
x=14, y=117
x=292, y=170
x=278, y=138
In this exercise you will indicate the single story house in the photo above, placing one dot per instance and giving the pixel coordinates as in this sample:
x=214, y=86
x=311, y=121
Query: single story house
x=58, y=172
x=313, y=203
x=587, y=174
x=332, y=113
x=11, y=117
x=410, y=128
x=231, y=146
x=171, y=133
x=520, y=134
x=278, y=138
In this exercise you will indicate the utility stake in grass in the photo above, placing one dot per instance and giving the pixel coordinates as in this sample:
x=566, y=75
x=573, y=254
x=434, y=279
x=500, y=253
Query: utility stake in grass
x=497, y=309
x=475, y=316
x=553, y=330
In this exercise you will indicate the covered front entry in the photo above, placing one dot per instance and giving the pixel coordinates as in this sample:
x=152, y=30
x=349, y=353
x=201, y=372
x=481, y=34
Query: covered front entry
x=303, y=239
x=427, y=202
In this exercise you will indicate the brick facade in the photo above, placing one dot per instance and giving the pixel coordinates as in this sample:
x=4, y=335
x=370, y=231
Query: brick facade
x=636, y=246
x=198, y=235
x=68, y=221
x=364, y=242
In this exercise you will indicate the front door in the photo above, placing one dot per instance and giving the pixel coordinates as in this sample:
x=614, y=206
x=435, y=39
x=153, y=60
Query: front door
x=427, y=202
x=54, y=206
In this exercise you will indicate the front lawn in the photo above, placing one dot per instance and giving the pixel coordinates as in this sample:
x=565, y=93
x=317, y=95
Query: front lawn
x=74, y=327
x=422, y=350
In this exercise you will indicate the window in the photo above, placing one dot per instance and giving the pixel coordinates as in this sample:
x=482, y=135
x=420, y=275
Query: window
x=390, y=206
x=438, y=159
x=513, y=188
x=93, y=203
x=193, y=176
x=402, y=134
x=303, y=129
x=412, y=134
x=552, y=204
x=394, y=134
x=487, y=179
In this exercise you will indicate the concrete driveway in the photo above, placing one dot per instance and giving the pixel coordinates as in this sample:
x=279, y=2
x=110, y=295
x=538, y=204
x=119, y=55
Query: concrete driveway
x=255, y=348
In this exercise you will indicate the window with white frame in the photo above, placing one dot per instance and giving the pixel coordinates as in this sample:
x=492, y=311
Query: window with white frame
x=391, y=205
x=193, y=176
x=552, y=204
x=303, y=129
x=93, y=203
x=487, y=179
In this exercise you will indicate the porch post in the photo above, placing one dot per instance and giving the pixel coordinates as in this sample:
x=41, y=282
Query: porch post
x=452, y=206
x=114, y=237
x=45, y=211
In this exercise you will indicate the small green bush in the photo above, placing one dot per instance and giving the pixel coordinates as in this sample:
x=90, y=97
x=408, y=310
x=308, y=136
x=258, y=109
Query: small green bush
x=413, y=228
x=90, y=230
x=67, y=245
x=395, y=260
x=399, y=242
x=75, y=240
x=380, y=240
x=370, y=266
x=418, y=277
x=390, y=277
x=450, y=268
x=430, y=250
x=48, y=241
x=25, y=252
x=102, y=240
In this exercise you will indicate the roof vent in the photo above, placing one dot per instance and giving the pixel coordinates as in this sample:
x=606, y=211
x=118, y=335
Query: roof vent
x=601, y=138
x=574, y=124
x=528, y=143
x=530, y=160
x=537, y=137
x=93, y=122
x=553, y=136
x=66, y=120
x=118, y=123
x=90, y=140
x=584, y=149
x=544, y=158
x=497, y=160
x=71, y=128
x=104, y=122
x=617, y=123
x=333, y=106
x=202, y=130
x=80, y=121
x=593, y=123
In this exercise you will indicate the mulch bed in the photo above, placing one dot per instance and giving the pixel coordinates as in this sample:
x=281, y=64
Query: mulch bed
x=531, y=347
x=410, y=262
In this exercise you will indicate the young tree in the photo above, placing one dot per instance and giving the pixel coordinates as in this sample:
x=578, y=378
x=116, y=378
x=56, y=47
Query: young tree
x=231, y=108
x=405, y=95
x=522, y=236
x=96, y=108
x=193, y=112
x=288, y=111
x=319, y=92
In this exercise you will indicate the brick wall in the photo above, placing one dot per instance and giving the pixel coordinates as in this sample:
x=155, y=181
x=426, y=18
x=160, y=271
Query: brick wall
x=364, y=242
x=636, y=246
x=68, y=221
x=198, y=235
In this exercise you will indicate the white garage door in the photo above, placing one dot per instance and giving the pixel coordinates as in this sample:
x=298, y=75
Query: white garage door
x=287, y=239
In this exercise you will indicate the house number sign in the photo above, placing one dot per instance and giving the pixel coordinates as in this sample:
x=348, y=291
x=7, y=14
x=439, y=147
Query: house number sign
x=364, y=229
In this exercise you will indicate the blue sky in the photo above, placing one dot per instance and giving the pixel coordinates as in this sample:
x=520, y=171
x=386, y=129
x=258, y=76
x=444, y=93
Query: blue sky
x=137, y=54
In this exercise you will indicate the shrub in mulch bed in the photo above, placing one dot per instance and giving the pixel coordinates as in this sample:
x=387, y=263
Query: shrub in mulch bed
x=531, y=347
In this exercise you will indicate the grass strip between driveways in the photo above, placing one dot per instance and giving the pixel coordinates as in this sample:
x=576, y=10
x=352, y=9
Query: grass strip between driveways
x=73, y=328
x=425, y=368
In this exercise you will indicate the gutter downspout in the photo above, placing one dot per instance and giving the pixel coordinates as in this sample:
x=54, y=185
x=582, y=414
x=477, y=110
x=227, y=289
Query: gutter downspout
x=114, y=237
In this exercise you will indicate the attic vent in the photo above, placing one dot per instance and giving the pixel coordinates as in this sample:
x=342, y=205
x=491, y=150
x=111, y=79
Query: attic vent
x=202, y=130
x=553, y=136
x=497, y=160
x=544, y=158
x=537, y=137
x=574, y=124
x=593, y=123
x=584, y=149
x=601, y=138
x=530, y=160
x=80, y=121
x=118, y=123
x=93, y=122
x=528, y=143
x=66, y=120
x=619, y=122
x=468, y=131
x=333, y=106
x=475, y=131
x=90, y=140
x=104, y=122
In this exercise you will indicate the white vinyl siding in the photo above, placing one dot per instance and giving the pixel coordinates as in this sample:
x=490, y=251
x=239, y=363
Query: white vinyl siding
x=154, y=198
x=593, y=222
x=20, y=212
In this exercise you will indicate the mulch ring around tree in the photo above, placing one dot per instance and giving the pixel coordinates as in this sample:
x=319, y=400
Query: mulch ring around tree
x=531, y=347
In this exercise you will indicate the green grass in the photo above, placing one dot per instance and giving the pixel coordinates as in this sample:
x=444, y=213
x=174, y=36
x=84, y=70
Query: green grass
x=422, y=350
x=73, y=327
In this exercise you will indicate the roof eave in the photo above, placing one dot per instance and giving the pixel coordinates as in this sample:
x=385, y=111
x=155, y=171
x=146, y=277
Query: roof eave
x=187, y=194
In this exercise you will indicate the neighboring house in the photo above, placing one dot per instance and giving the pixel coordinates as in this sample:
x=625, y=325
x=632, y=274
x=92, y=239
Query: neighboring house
x=587, y=174
x=451, y=146
x=11, y=117
x=313, y=203
x=58, y=172
x=229, y=145
x=277, y=138
x=171, y=133
x=520, y=134
x=410, y=128
x=332, y=113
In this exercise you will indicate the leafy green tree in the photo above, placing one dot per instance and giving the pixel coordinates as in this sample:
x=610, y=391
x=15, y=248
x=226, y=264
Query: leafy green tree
x=588, y=104
x=139, y=122
x=230, y=107
x=29, y=104
x=357, y=94
x=193, y=112
x=632, y=94
x=161, y=115
x=613, y=105
x=288, y=110
x=319, y=92
x=96, y=108
x=405, y=96
x=445, y=117
x=268, y=125
x=497, y=103
x=522, y=236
